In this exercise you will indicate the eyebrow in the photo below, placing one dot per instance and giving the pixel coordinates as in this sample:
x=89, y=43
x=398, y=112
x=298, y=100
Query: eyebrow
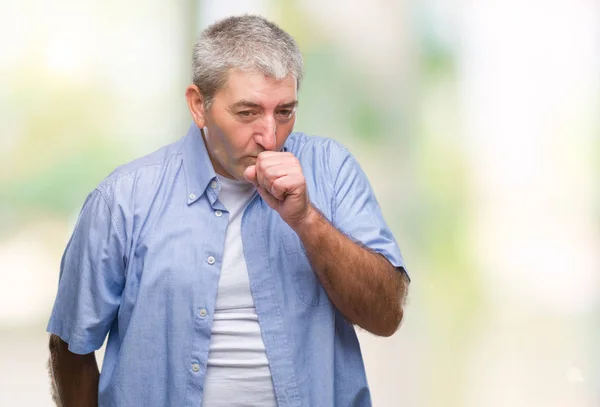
x=252, y=105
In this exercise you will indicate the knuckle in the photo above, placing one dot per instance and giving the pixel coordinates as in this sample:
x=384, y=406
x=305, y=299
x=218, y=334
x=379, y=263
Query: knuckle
x=277, y=188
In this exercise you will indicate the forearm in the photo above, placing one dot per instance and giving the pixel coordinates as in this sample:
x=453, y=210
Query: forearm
x=74, y=377
x=364, y=286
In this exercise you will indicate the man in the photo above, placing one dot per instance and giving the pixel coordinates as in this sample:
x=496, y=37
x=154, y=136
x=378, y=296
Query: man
x=228, y=268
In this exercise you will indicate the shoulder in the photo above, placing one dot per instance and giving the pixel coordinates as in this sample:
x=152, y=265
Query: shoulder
x=317, y=147
x=320, y=153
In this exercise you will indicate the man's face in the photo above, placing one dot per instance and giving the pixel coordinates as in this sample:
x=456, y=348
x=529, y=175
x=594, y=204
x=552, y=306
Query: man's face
x=252, y=113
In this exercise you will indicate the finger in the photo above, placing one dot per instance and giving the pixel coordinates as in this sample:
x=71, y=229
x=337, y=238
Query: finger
x=266, y=154
x=265, y=162
x=265, y=177
x=267, y=157
x=267, y=197
x=272, y=165
x=287, y=185
x=250, y=174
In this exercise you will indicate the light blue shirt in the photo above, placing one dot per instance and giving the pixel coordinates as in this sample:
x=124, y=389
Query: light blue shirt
x=143, y=266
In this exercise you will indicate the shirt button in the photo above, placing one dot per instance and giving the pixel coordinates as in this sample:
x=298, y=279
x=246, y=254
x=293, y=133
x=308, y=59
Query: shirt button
x=202, y=312
x=210, y=260
x=192, y=196
x=195, y=367
x=218, y=213
x=213, y=184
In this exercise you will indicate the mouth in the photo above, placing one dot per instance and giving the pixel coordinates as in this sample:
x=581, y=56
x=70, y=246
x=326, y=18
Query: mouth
x=248, y=161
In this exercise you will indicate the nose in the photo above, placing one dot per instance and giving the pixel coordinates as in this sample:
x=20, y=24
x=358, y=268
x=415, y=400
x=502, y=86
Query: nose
x=267, y=134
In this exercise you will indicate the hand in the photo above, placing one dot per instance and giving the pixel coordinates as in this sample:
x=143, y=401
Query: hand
x=280, y=182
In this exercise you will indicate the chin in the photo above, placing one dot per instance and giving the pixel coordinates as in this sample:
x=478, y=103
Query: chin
x=237, y=173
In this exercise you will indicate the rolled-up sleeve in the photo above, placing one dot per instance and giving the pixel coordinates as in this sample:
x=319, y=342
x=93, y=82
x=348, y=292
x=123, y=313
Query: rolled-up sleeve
x=356, y=211
x=92, y=277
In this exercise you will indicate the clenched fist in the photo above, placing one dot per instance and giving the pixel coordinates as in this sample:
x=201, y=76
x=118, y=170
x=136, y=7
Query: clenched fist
x=280, y=182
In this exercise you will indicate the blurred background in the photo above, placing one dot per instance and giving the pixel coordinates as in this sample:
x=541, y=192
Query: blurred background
x=477, y=123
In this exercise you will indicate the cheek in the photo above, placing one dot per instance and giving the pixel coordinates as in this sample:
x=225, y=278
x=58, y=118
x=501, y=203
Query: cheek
x=230, y=135
x=239, y=141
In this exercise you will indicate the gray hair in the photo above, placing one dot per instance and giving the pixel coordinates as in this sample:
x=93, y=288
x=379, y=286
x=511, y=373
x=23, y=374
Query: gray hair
x=248, y=43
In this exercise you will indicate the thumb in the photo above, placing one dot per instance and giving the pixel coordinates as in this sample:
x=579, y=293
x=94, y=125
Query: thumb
x=250, y=174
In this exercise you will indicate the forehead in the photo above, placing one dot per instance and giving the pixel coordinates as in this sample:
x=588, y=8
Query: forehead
x=257, y=88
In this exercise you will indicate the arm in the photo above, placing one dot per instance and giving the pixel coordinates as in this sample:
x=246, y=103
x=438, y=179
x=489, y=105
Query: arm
x=74, y=377
x=364, y=286
x=92, y=277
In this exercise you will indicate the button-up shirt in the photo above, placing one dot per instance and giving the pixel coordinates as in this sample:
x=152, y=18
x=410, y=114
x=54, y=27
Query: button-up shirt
x=143, y=266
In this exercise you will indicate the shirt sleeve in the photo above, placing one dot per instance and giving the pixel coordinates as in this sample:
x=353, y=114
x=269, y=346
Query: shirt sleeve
x=92, y=277
x=356, y=211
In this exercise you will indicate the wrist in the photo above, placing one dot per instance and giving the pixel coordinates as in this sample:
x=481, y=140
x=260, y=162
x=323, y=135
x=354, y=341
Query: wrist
x=307, y=222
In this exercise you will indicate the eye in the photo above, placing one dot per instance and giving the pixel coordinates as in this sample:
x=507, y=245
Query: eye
x=246, y=113
x=286, y=113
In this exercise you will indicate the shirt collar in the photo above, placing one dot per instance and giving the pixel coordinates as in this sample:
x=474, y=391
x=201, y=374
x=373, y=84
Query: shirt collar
x=197, y=166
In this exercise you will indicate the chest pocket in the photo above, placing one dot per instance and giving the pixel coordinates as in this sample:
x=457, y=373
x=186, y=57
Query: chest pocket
x=306, y=283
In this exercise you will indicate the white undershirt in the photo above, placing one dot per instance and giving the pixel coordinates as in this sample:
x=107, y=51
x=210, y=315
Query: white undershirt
x=238, y=372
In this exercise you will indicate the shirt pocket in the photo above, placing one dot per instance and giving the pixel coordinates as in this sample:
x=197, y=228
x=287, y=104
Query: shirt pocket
x=306, y=283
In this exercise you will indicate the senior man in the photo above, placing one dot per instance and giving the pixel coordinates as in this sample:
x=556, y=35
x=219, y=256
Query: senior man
x=228, y=268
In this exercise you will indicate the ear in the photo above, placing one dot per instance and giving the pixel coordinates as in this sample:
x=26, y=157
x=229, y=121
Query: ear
x=195, y=102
